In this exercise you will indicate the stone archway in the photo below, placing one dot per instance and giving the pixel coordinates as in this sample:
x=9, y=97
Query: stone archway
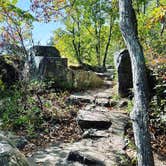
x=123, y=66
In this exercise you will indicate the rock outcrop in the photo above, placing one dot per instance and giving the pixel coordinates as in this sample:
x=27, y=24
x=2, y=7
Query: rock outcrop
x=9, y=155
x=11, y=68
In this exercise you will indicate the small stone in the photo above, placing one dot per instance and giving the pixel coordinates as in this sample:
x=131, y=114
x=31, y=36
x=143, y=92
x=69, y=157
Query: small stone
x=105, y=94
x=123, y=103
x=21, y=143
x=113, y=103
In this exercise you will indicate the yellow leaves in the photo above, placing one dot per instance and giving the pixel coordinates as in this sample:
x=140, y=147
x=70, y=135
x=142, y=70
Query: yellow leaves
x=159, y=60
x=158, y=15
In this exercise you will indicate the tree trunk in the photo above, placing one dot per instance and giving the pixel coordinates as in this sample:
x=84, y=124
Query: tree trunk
x=76, y=45
x=97, y=44
x=139, y=115
x=107, y=45
x=157, y=3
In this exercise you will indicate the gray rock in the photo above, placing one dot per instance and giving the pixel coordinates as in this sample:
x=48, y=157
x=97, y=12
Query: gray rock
x=123, y=67
x=95, y=134
x=21, y=142
x=108, y=150
x=9, y=155
x=46, y=51
x=11, y=68
x=94, y=108
x=84, y=158
x=102, y=102
x=93, y=119
x=78, y=99
x=46, y=63
x=109, y=75
x=106, y=95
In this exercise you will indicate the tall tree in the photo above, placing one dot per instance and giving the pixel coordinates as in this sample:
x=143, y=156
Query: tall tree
x=139, y=115
x=90, y=25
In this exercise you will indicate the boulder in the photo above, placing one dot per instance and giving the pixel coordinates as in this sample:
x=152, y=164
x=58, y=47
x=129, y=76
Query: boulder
x=93, y=119
x=9, y=154
x=11, y=68
x=46, y=64
x=123, y=66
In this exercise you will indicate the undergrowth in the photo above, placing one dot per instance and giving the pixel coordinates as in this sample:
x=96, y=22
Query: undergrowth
x=28, y=108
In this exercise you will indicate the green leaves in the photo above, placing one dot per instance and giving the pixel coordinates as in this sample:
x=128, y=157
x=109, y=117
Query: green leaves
x=87, y=30
x=14, y=2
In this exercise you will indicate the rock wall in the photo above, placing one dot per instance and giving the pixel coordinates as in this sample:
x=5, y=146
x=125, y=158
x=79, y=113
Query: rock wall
x=10, y=69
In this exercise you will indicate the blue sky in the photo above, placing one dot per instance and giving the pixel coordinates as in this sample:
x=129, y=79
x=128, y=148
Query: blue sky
x=42, y=31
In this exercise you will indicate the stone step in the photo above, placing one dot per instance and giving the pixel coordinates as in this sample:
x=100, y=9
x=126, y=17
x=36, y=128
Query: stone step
x=93, y=119
x=86, y=158
x=106, y=150
x=77, y=99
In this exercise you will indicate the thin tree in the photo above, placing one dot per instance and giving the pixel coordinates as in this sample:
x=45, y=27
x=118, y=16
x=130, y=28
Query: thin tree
x=139, y=115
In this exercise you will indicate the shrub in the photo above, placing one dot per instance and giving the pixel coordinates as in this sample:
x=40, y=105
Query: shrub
x=82, y=80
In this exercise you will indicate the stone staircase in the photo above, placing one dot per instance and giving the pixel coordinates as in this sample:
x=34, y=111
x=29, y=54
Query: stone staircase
x=102, y=141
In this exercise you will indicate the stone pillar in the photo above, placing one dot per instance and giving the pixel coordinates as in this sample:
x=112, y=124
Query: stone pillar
x=123, y=66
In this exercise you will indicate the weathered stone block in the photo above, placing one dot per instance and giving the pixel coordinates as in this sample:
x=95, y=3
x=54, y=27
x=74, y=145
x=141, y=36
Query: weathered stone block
x=46, y=64
x=93, y=119
x=123, y=66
